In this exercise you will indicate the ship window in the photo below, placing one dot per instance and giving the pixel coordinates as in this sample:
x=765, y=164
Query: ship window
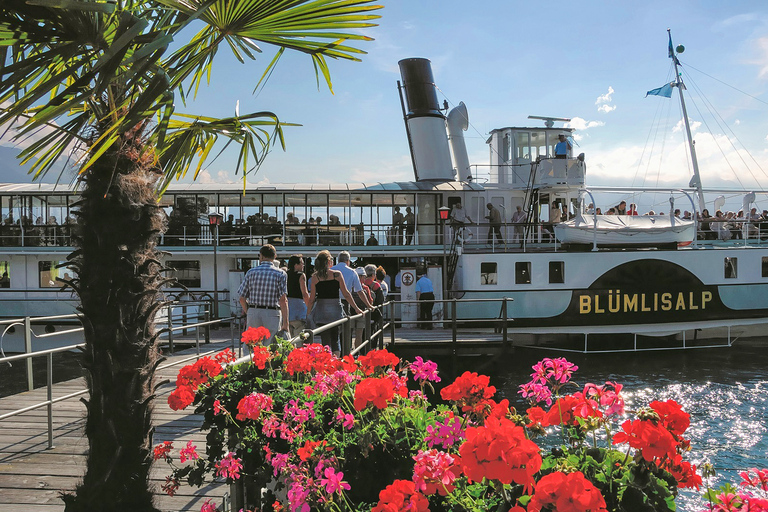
x=488, y=273
x=186, y=273
x=556, y=271
x=51, y=274
x=5, y=275
x=523, y=145
x=731, y=267
x=523, y=272
x=246, y=264
x=765, y=266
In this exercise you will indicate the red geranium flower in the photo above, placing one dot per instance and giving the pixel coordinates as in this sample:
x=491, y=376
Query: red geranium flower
x=314, y=357
x=376, y=359
x=306, y=451
x=653, y=440
x=536, y=416
x=378, y=391
x=499, y=451
x=400, y=496
x=260, y=357
x=255, y=335
x=566, y=493
x=180, y=398
x=225, y=356
x=672, y=416
x=470, y=391
x=198, y=372
x=162, y=450
x=683, y=471
x=562, y=411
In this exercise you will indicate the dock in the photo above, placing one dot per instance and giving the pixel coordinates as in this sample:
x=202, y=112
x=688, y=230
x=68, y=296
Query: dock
x=32, y=477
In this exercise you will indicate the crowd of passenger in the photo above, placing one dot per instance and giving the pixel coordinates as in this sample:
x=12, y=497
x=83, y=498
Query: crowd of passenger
x=37, y=232
x=293, y=295
x=720, y=226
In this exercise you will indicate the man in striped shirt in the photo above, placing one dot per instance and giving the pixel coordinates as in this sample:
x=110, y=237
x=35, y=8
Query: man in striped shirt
x=264, y=294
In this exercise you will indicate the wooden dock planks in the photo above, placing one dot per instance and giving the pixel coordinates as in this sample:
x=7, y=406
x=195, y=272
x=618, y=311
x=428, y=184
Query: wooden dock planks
x=32, y=477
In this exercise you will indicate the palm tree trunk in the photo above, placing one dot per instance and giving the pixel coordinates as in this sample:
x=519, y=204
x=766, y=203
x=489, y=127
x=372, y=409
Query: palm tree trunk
x=118, y=282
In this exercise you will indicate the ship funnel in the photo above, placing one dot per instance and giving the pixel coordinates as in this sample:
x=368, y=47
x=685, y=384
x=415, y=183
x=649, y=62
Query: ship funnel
x=458, y=122
x=425, y=122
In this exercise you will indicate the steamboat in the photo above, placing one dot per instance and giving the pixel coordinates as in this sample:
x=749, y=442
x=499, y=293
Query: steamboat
x=588, y=274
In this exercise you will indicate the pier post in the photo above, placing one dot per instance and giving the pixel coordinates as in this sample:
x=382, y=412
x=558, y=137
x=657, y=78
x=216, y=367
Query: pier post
x=392, y=323
x=207, y=331
x=28, y=349
x=170, y=328
x=454, y=339
x=346, y=337
x=504, y=319
x=49, y=372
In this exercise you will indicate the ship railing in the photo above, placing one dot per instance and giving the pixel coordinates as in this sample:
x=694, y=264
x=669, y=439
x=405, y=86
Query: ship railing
x=49, y=353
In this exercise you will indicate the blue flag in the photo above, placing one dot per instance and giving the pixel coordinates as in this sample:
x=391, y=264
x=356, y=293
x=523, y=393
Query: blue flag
x=665, y=90
x=672, y=51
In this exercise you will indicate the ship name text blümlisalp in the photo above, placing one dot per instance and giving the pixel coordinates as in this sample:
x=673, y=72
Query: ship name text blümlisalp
x=618, y=302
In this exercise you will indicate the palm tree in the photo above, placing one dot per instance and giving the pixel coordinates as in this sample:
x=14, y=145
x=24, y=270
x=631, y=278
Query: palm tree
x=97, y=82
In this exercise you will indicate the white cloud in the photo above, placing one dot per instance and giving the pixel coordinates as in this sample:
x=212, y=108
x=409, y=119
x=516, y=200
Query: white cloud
x=605, y=98
x=221, y=177
x=736, y=122
x=720, y=164
x=395, y=169
x=762, y=60
x=577, y=123
x=695, y=125
x=606, y=108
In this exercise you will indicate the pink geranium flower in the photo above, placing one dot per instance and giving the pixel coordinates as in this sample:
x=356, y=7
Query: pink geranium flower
x=424, y=370
x=344, y=419
x=188, y=452
x=333, y=481
x=229, y=466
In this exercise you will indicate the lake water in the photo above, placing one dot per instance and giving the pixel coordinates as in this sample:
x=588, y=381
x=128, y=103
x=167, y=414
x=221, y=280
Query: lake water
x=724, y=389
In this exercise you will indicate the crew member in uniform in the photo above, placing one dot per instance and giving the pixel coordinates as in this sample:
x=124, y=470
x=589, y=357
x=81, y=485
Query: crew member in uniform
x=425, y=294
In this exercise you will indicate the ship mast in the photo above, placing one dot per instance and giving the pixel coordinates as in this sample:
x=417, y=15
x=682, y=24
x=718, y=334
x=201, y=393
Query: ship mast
x=696, y=181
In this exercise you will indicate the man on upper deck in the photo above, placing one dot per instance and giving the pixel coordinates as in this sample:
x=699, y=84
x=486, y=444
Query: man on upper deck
x=562, y=147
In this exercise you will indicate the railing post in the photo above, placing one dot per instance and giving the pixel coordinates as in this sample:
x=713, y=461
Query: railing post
x=184, y=319
x=454, y=339
x=28, y=350
x=207, y=329
x=170, y=328
x=504, y=319
x=346, y=337
x=367, y=329
x=49, y=372
x=392, y=323
x=197, y=340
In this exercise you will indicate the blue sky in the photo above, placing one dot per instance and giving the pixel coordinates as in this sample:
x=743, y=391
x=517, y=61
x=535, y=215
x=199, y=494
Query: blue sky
x=592, y=61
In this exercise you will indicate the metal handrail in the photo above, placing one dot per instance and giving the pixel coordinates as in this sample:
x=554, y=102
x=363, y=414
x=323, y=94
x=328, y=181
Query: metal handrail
x=49, y=371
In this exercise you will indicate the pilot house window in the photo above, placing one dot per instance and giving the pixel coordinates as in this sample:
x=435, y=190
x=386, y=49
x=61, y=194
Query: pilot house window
x=523, y=272
x=731, y=267
x=765, y=266
x=488, y=273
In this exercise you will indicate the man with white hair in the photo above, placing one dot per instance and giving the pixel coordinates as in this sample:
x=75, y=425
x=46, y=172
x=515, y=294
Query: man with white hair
x=351, y=280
